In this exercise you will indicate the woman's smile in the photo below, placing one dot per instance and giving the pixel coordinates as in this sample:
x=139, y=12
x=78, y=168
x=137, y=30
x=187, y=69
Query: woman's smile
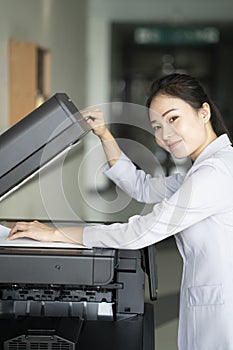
x=173, y=144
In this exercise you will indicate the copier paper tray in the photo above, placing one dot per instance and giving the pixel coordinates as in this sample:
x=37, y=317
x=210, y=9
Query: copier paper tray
x=37, y=139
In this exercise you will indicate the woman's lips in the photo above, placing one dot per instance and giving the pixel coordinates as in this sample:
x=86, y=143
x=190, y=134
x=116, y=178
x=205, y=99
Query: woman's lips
x=172, y=145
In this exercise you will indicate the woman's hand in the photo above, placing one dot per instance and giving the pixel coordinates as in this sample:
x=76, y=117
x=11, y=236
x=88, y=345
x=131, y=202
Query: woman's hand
x=43, y=233
x=95, y=118
x=34, y=230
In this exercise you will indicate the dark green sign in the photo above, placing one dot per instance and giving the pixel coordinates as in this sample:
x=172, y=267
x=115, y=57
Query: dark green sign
x=176, y=35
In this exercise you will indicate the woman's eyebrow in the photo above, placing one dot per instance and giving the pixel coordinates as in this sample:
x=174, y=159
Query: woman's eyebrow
x=165, y=113
x=168, y=111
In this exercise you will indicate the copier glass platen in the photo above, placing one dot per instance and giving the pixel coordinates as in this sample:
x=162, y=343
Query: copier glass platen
x=67, y=299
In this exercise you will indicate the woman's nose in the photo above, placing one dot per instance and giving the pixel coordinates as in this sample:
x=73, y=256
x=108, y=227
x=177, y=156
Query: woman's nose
x=167, y=132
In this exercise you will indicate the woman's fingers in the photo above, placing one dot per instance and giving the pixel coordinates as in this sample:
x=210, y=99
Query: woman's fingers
x=19, y=226
x=34, y=230
x=95, y=118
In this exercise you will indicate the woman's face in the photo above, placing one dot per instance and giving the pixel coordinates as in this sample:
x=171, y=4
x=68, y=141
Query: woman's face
x=178, y=127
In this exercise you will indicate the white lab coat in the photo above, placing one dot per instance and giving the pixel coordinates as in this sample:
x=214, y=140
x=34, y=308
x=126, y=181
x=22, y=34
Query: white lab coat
x=198, y=209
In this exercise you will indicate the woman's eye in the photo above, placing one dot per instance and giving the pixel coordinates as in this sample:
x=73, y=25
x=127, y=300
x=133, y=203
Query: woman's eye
x=172, y=119
x=157, y=127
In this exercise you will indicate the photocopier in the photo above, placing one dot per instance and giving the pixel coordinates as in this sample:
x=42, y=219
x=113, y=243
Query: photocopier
x=68, y=298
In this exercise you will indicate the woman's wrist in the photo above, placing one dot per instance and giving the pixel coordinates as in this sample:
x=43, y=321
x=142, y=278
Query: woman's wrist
x=58, y=236
x=106, y=135
x=69, y=235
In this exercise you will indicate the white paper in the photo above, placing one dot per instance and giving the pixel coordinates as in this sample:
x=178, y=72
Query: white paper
x=27, y=242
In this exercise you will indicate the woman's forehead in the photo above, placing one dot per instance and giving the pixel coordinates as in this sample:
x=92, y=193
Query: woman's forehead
x=163, y=104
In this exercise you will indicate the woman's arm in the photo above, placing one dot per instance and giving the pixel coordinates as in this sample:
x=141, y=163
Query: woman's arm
x=136, y=183
x=41, y=232
x=95, y=119
x=141, y=186
x=192, y=203
x=197, y=199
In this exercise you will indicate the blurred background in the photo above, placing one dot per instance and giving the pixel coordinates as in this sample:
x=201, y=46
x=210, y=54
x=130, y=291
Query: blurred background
x=106, y=53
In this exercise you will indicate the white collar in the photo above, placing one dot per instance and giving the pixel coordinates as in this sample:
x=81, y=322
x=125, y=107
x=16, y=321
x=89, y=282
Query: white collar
x=219, y=143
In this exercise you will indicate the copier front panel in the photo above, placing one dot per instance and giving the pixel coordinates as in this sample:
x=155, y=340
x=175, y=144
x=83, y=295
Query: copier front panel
x=87, y=283
x=69, y=298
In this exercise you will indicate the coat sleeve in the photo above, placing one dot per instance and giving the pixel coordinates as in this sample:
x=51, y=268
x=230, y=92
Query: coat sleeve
x=197, y=199
x=139, y=185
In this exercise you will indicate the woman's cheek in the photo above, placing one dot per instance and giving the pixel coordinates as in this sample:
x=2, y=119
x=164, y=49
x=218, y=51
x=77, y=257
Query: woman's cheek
x=161, y=143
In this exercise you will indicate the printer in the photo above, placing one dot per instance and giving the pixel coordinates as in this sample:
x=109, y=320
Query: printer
x=67, y=298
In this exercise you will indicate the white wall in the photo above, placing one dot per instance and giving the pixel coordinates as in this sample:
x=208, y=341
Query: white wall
x=162, y=11
x=58, y=25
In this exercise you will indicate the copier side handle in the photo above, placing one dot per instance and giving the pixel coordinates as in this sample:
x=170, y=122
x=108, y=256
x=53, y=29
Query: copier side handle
x=151, y=270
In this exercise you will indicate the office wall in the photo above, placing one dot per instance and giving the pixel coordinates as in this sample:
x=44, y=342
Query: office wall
x=171, y=12
x=162, y=11
x=60, y=26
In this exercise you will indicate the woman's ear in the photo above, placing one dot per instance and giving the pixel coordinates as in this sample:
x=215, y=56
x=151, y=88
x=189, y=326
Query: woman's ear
x=205, y=112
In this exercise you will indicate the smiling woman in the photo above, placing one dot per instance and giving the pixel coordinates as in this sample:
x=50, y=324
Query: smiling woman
x=197, y=209
x=181, y=130
x=189, y=90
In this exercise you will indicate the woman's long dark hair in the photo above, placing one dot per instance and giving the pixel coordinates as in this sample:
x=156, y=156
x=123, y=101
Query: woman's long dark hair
x=189, y=90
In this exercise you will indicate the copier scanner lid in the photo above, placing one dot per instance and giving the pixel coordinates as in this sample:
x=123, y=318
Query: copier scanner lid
x=38, y=139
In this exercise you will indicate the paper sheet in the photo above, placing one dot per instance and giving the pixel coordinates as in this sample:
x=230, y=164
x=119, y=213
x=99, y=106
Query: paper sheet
x=27, y=242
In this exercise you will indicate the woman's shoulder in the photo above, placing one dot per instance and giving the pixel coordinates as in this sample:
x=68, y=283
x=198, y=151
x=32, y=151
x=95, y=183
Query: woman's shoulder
x=219, y=166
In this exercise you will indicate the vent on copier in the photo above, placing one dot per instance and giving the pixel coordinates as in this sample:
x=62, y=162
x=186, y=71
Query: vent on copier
x=38, y=343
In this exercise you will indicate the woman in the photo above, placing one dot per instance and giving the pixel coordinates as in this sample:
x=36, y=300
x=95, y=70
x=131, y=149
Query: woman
x=196, y=208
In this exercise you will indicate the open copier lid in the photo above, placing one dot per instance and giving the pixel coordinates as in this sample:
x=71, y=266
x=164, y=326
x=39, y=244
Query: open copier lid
x=38, y=139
